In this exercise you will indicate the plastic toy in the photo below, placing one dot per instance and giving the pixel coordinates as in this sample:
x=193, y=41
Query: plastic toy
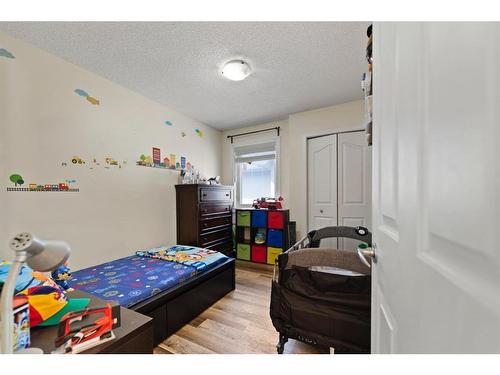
x=84, y=336
x=61, y=277
x=269, y=203
x=260, y=238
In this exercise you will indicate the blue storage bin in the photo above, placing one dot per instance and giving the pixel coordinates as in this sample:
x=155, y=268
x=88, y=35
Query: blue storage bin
x=275, y=238
x=259, y=219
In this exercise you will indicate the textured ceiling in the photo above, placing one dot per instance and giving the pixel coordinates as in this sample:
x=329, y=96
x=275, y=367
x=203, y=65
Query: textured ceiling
x=296, y=65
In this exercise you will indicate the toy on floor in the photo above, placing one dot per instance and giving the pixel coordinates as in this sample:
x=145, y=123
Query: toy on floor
x=61, y=277
x=269, y=203
x=80, y=337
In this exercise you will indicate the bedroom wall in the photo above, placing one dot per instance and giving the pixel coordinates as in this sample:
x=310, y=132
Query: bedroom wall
x=295, y=131
x=44, y=124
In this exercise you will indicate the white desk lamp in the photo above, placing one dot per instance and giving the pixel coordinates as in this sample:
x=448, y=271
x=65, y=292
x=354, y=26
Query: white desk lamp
x=40, y=255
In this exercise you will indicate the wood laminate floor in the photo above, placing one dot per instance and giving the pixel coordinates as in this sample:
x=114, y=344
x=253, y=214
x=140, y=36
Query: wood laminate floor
x=239, y=323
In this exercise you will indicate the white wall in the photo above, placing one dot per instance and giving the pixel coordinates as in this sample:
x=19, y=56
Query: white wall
x=295, y=131
x=44, y=123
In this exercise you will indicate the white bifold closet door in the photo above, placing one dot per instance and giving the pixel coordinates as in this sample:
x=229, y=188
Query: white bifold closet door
x=339, y=184
x=322, y=184
x=354, y=184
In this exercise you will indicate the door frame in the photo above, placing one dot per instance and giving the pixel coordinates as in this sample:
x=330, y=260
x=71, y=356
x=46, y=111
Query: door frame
x=306, y=140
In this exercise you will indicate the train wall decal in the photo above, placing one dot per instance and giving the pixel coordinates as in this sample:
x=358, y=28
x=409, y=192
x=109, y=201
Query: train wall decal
x=18, y=181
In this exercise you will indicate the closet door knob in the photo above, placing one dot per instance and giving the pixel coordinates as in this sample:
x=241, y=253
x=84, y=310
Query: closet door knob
x=320, y=211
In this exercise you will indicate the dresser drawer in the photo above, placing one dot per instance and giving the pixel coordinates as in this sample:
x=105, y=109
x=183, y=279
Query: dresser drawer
x=211, y=223
x=210, y=209
x=215, y=236
x=208, y=194
x=225, y=247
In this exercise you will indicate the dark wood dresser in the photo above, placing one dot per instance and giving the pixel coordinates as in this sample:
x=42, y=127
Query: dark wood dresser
x=204, y=216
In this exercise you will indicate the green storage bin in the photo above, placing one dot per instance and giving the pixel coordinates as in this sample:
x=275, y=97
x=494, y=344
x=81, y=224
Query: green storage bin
x=243, y=251
x=243, y=218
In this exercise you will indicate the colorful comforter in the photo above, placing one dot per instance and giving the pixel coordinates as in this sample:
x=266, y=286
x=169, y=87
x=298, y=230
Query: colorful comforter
x=135, y=278
x=130, y=280
x=197, y=257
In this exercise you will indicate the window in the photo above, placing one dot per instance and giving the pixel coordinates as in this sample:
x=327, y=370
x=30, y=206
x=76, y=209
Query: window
x=256, y=172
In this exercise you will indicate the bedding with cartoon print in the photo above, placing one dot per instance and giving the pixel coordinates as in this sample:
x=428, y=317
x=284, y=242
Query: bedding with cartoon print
x=201, y=259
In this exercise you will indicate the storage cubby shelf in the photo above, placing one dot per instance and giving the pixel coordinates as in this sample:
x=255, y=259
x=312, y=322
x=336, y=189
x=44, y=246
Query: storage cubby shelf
x=272, y=224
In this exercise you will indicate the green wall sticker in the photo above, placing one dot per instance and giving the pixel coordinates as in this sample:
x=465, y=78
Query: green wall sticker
x=16, y=179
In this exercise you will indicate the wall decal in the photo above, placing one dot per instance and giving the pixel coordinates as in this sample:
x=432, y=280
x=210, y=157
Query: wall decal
x=199, y=132
x=35, y=187
x=6, y=54
x=183, y=134
x=16, y=179
x=168, y=123
x=155, y=161
x=92, y=100
x=111, y=161
x=85, y=95
x=82, y=92
x=77, y=160
x=108, y=163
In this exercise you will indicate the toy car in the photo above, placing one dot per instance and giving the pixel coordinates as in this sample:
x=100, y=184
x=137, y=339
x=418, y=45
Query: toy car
x=47, y=187
x=269, y=203
x=63, y=186
x=76, y=339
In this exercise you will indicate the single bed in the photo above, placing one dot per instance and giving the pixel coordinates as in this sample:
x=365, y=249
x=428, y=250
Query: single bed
x=171, y=293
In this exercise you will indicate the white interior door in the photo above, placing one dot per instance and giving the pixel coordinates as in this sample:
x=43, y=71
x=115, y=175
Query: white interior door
x=436, y=188
x=354, y=184
x=322, y=184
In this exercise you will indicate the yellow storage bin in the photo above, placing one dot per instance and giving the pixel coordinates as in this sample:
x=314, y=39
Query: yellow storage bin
x=272, y=253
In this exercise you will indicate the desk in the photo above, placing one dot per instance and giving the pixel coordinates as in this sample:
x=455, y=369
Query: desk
x=134, y=336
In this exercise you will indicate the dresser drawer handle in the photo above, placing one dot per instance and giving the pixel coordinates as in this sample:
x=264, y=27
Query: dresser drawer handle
x=226, y=208
x=227, y=194
x=204, y=194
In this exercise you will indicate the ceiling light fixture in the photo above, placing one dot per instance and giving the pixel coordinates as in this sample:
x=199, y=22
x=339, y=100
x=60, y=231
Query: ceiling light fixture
x=236, y=70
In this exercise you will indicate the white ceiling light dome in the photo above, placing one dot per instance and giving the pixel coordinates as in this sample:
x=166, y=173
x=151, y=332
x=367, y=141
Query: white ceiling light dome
x=236, y=70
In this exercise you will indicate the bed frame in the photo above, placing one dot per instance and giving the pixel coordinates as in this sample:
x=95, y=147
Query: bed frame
x=174, y=307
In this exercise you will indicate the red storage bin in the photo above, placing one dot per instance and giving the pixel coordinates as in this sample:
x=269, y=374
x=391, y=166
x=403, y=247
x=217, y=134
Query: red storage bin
x=275, y=220
x=259, y=254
